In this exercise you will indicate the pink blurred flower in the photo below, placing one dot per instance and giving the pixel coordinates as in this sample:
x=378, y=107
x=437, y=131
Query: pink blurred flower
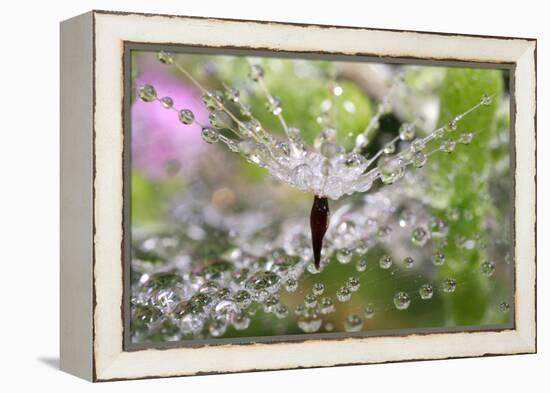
x=161, y=145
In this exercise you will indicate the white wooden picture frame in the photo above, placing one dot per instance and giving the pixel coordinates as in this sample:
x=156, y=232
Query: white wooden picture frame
x=92, y=181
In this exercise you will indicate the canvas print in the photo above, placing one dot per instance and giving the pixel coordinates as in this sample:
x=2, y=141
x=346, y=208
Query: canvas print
x=277, y=197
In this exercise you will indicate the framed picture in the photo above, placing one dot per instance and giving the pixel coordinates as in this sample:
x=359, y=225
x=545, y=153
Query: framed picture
x=245, y=195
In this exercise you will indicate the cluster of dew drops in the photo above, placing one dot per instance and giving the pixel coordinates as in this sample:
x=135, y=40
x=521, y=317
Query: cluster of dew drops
x=328, y=169
x=175, y=296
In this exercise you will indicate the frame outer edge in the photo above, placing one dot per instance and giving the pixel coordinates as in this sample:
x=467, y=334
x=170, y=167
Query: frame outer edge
x=76, y=193
x=525, y=149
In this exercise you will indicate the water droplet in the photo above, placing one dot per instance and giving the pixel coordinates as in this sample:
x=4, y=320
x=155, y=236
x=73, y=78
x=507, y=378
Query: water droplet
x=488, y=268
x=504, y=307
x=310, y=300
x=261, y=296
x=213, y=99
x=247, y=147
x=406, y=218
x=361, y=141
x=361, y=246
x=408, y=262
x=438, y=134
x=419, y=236
x=301, y=175
x=438, y=227
x=281, y=311
x=326, y=305
x=318, y=289
x=209, y=288
x=189, y=321
x=389, y=148
x=224, y=294
x=465, y=138
x=344, y=255
x=356, y=163
x=448, y=146
x=274, y=105
x=343, y=294
x=453, y=124
x=219, y=119
x=448, y=285
x=256, y=72
x=337, y=90
x=246, y=110
x=390, y=169
x=329, y=327
x=241, y=322
x=407, y=132
x=311, y=268
x=239, y=276
x=242, y=298
x=165, y=299
x=227, y=308
x=418, y=145
x=369, y=311
x=385, y=261
x=310, y=323
x=419, y=159
x=217, y=270
x=282, y=149
x=346, y=229
x=486, y=99
x=353, y=323
x=250, y=127
x=218, y=327
x=210, y=135
x=426, y=291
x=233, y=94
x=189, y=315
x=147, y=93
x=186, y=116
x=326, y=168
x=201, y=300
x=361, y=265
x=165, y=280
x=291, y=285
x=401, y=300
x=264, y=280
x=438, y=258
x=364, y=183
x=167, y=102
x=143, y=316
x=325, y=105
x=165, y=57
x=353, y=284
x=300, y=309
x=167, y=330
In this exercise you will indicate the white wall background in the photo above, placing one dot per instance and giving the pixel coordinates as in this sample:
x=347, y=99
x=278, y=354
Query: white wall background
x=29, y=195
